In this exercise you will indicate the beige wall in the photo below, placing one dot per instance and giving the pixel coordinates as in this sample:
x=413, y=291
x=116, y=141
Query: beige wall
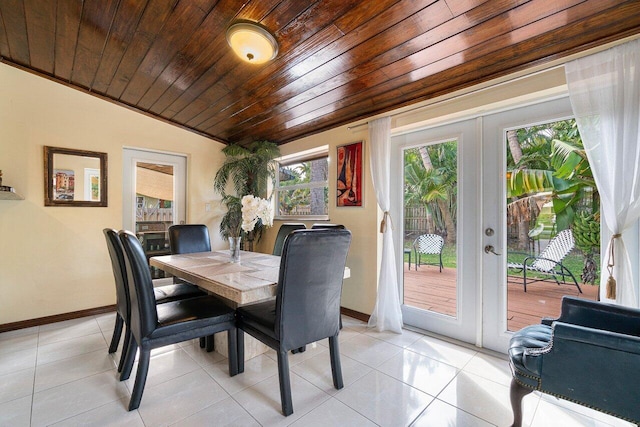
x=54, y=260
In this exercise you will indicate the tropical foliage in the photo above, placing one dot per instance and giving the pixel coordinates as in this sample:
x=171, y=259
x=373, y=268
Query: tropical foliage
x=290, y=176
x=431, y=179
x=303, y=188
x=551, y=161
x=566, y=173
x=248, y=170
x=586, y=231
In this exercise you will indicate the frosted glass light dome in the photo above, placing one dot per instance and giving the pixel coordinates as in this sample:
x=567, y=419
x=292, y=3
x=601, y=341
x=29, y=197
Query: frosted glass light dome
x=252, y=43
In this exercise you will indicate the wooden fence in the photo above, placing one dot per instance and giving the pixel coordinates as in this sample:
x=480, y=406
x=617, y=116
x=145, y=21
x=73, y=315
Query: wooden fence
x=417, y=220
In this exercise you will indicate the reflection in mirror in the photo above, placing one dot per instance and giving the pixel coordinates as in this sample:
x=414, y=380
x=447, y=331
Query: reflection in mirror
x=75, y=177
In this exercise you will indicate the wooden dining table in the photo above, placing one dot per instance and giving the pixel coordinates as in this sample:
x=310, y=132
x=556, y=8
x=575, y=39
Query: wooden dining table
x=253, y=279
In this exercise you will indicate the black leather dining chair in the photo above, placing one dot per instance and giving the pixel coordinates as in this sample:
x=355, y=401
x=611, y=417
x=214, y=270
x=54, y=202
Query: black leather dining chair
x=307, y=304
x=283, y=232
x=188, y=239
x=332, y=226
x=162, y=294
x=154, y=326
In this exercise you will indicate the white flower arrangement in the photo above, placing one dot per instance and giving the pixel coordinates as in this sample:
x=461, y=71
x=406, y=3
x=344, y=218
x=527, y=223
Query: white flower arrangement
x=254, y=209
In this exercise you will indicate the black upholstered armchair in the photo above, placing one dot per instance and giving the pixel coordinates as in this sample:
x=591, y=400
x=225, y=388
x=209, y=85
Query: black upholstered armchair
x=589, y=355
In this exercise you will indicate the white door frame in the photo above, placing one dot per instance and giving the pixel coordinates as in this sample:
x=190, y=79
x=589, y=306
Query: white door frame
x=464, y=325
x=131, y=156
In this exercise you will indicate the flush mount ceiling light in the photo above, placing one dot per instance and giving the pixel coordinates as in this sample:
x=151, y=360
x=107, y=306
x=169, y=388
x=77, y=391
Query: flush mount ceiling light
x=252, y=42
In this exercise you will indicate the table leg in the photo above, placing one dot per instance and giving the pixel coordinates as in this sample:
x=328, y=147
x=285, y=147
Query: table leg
x=252, y=347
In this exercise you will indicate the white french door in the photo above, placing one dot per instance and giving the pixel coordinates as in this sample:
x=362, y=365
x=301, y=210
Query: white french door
x=444, y=302
x=494, y=332
x=468, y=299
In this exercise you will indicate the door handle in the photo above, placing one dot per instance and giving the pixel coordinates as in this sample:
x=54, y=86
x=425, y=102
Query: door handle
x=490, y=250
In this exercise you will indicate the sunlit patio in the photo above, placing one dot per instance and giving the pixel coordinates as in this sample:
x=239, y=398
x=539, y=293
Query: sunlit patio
x=429, y=289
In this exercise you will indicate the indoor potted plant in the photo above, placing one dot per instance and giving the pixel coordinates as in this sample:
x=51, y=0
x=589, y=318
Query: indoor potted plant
x=250, y=170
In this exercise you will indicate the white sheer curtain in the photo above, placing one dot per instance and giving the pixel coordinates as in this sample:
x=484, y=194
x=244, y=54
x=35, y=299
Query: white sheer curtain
x=386, y=315
x=605, y=96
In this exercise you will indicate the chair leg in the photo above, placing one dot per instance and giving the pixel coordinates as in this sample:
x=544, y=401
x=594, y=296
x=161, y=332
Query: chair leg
x=299, y=349
x=570, y=274
x=125, y=346
x=336, y=366
x=240, y=347
x=285, y=383
x=524, y=278
x=141, y=379
x=129, y=359
x=232, y=345
x=203, y=342
x=117, y=332
x=516, y=393
x=209, y=343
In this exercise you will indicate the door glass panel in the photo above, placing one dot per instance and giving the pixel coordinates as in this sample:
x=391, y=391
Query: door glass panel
x=550, y=188
x=154, y=209
x=430, y=227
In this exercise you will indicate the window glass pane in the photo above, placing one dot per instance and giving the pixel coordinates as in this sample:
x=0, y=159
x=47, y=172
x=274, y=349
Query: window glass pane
x=303, y=188
x=539, y=213
x=430, y=216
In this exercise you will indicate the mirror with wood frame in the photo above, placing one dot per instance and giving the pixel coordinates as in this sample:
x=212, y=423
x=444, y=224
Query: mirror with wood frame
x=74, y=177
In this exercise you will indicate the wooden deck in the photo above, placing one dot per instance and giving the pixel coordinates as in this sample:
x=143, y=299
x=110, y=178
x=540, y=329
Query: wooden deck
x=429, y=289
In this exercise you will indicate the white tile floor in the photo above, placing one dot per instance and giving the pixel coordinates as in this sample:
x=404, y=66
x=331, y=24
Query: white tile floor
x=61, y=374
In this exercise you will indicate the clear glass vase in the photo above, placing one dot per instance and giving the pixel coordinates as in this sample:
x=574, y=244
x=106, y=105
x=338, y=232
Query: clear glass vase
x=234, y=248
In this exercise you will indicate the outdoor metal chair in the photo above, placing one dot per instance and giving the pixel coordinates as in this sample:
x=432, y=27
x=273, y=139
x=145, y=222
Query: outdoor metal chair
x=549, y=262
x=428, y=244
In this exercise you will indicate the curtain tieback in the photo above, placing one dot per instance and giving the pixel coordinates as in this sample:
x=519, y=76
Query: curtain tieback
x=386, y=219
x=611, y=281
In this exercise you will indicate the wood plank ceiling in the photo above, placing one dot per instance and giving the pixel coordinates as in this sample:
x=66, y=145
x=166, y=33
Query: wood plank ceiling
x=339, y=60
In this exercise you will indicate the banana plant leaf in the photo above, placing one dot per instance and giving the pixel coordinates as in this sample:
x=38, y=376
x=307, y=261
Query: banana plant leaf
x=528, y=181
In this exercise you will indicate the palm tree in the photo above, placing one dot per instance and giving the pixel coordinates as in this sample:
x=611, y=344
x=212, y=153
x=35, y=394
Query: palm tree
x=289, y=199
x=564, y=171
x=249, y=170
x=431, y=179
x=515, y=149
